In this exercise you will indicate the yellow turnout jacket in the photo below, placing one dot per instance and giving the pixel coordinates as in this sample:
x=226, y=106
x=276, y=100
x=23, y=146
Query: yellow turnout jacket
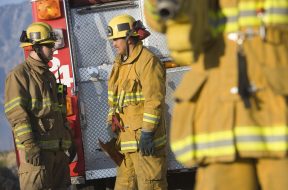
x=136, y=96
x=210, y=122
x=32, y=107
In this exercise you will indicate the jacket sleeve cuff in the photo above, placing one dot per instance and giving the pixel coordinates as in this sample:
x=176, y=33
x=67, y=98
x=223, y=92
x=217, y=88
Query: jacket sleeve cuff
x=150, y=122
x=23, y=132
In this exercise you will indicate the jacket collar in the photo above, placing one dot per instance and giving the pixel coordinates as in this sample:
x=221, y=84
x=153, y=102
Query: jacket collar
x=36, y=65
x=134, y=55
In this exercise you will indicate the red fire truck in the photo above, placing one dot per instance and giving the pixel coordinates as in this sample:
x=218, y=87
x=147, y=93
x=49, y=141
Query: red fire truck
x=82, y=62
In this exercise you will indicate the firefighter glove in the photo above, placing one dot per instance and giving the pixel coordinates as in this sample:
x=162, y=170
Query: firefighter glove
x=32, y=154
x=146, y=144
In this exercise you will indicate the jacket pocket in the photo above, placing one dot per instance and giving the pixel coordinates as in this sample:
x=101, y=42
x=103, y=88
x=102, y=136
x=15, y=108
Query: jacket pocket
x=277, y=79
x=133, y=92
x=275, y=66
x=134, y=116
x=134, y=107
x=153, y=168
x=186, y=96
x=33, y=177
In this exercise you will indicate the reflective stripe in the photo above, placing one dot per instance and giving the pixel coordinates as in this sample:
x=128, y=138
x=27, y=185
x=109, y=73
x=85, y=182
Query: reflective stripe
x=18, y=144
x=66, y=144
x=14, y=103
x=161, y=141
x=150, y=118
x=214, y=144
x=22, y=129
x=133, y=146
x=120, y=101
x=125, y=98
x=246, y=139
x=233, y=19
x=128, y=145
x=133, y=97
x=33, y=104
x=51, y=144
x=112, y=98
x=112, y=111
x=262, y=138
x=48, y=145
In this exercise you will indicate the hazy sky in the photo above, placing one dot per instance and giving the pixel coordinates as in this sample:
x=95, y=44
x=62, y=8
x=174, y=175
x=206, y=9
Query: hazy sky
x=5, y=2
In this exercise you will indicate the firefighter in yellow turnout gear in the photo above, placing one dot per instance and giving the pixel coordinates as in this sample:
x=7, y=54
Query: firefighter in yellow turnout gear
x=36, y=116
x=230, y=115
x=136, y=94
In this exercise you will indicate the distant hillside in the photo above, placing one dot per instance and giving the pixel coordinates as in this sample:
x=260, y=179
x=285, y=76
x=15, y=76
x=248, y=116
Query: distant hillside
x=8, y=171
x=13, y=19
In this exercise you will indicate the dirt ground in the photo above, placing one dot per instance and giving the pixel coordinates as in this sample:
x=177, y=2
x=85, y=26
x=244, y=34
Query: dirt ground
x=9, y=177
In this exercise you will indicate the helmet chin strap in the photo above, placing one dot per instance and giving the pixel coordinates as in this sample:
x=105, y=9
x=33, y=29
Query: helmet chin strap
x=126, y=56
x=128, y=35
x=38, y=49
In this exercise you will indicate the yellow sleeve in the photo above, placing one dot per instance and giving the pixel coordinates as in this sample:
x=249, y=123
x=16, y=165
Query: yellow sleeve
x=112, y=94
x=17, y=102
x=153, y=77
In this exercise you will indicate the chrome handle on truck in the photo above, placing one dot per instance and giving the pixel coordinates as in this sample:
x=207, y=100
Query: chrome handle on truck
x=107, y=6
x=83, y=120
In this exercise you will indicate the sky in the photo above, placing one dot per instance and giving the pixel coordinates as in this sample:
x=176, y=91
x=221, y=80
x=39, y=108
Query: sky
x=5, y=2
x=4, y=132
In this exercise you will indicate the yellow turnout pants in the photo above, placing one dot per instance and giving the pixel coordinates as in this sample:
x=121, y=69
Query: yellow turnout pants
x=53, y=173
x=142, y=172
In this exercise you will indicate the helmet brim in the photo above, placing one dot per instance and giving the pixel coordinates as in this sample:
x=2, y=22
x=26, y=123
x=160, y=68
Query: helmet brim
x=25, y=44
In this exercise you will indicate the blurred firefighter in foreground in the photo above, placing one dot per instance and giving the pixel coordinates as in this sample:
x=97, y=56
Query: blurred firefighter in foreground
x=36, y=113
x=136, y=94
x=230, y=115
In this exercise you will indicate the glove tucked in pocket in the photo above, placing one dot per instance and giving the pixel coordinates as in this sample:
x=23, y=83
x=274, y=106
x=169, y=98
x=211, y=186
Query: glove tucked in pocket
x=32, y=154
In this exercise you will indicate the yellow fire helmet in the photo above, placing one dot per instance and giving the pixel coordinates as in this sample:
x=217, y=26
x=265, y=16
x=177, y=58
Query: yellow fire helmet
x=121, y=26
x=37, y=33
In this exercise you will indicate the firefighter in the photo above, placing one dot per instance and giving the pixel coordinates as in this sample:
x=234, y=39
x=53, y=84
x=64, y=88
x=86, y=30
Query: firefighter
x=136, y=95
x=230, y=115
x=33, y=108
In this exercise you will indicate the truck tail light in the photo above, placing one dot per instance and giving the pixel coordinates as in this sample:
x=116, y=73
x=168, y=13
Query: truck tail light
x=170, y=64
x=69, y=107
x=48, y=9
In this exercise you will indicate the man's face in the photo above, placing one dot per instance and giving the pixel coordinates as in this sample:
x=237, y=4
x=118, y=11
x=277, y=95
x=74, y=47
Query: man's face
x=120, y=45
x=48, y=50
